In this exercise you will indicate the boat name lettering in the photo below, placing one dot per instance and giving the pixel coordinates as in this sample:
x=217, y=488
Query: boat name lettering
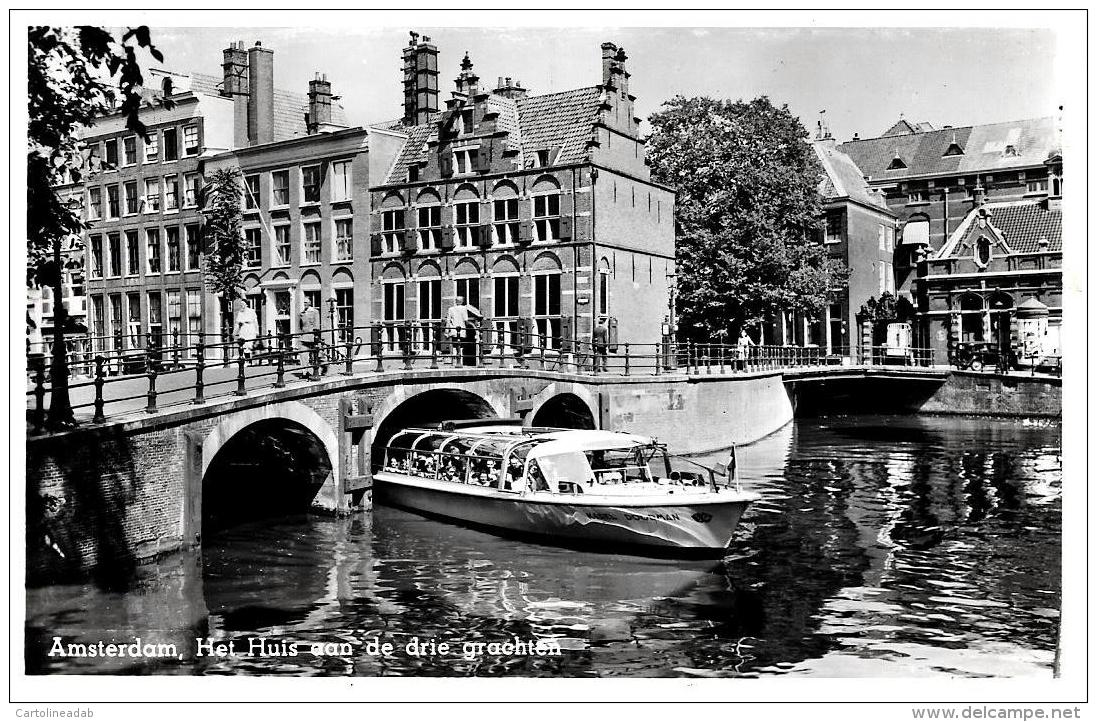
x=651, y=517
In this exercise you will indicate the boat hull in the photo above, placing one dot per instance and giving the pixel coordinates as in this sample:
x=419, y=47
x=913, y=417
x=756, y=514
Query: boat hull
x=699, y=528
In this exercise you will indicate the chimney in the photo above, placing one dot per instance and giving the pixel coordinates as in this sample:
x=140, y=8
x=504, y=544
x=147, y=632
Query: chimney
x=319, y=103
x=235, y=86
x=979, y=194
x=261, y=97
x=609, y=55
x=510, y=88
x=420, y=80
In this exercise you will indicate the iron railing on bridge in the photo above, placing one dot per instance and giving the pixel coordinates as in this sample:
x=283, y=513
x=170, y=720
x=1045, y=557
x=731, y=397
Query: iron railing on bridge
x=158, y=371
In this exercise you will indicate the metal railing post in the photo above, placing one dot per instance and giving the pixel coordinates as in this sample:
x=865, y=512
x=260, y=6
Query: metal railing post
x=380, y=348
x=315, y=354
x=199, y=370
x=708, y=358
x=270, y=346
x=350, y=350
x=280, y=366
x=405, y=345
x=241, y=379
x=175, y=348
x=98, y=417
x=435, y=337
x=627, y=362
x=150, y=369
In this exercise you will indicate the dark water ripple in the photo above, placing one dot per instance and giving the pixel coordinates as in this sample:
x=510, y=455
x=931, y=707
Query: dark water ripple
x=883, y=546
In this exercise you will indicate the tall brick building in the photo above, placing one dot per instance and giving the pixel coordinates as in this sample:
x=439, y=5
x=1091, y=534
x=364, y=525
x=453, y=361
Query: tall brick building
x=928, y=175
x=538, y=209
x=143, y=244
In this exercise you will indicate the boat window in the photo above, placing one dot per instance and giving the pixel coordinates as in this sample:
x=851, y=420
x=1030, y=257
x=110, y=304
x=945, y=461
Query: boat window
x=565, y=473
x=619, y=466
x=515, y=463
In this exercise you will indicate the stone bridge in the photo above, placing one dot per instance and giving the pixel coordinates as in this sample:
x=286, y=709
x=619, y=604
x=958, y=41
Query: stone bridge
x=102, y=496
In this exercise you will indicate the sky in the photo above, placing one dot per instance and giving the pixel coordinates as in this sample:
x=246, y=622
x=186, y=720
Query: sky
x=864, y=78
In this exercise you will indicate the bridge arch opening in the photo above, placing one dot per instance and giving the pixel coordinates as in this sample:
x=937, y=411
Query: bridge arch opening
x=273, y=467
x=429, y=408
x=564, y=410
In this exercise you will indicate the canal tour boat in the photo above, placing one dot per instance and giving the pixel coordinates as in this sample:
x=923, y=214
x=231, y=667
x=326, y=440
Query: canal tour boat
x=589, y=489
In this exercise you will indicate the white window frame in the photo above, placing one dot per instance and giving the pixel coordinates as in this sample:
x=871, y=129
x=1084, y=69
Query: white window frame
x=274, y=189
x=319, y=183
x=429, y=236
x=126, y=265
x=258, y=262
x=117, y=155
x=95, y=210
x=251, y=197
x=167, y=249
x=391, y=236
x=175, y=196
x=164, y=143
x=546, y=336
x=276, y=257
x=159, y=251
x=153, y=144
x=512, y=223
x=152, y=202
x=828, y=239
x=116, y=213
x=336, y=256
x=463, y=157
x=319, y=244
x=197, y=141
x=126, y=185
x=189, y=202
x=465, y=235
x=186, y=246
x=546, y=220
x=342, y=184
x=136, y=151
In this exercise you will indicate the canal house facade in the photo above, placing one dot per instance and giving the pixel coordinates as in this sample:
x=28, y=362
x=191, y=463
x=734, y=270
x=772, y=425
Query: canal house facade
x=538, y=210
x=143, y=248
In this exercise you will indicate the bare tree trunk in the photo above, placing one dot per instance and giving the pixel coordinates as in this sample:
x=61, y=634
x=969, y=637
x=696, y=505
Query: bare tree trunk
x=60, y=413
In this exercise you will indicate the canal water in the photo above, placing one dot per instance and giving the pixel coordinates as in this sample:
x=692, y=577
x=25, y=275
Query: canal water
x=883, y=546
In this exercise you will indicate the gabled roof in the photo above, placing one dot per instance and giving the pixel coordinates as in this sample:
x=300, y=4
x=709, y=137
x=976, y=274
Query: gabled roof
x=905, y=127
x=986, y=148
x=1021, y=225
x=843, y=179
x=560, y=120
x=540, y=122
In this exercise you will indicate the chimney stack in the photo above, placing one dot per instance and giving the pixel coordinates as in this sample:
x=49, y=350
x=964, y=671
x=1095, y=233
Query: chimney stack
x=420, y=80
x=979, y=194
x=261, y=95
x=609, y=55
x=510, y=88
x=319, y=103
x=235, y=86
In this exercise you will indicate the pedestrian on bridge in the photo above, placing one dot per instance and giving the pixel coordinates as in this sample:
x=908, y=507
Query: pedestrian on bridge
x=599, y=339
x=742, y=348
x=459, y=330
x=308, y=324
x=245, y=327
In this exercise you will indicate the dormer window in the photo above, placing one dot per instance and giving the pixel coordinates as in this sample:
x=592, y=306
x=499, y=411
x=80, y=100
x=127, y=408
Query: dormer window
x=953, y=149
x=465, y=161
x=413, y=173
x=1036, y=187
x=466, y=122
x=896, y=163
x=1010, y=151
x=542, y=158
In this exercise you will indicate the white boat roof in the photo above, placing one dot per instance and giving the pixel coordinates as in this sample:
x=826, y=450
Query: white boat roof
x=548, y=442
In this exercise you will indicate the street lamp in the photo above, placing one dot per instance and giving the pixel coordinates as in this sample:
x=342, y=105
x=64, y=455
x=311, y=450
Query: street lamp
x=331, y=315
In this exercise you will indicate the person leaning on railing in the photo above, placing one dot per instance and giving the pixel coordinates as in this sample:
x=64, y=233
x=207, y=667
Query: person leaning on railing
x=309, y=323
x=742, y=349
x=245, y=327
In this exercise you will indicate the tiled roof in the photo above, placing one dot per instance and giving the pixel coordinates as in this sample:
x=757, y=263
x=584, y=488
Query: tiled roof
x=985, y=149
x=540, y=122
x=412, y=152
x=1020, y=223
x=842, y=177
x=559, y=120
x=289, y=108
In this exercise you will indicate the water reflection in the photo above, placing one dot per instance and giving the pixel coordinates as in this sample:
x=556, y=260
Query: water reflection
x=882, y=546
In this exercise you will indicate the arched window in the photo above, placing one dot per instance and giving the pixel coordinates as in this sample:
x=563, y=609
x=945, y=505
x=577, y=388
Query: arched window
x=971, y=318
x=546, y=209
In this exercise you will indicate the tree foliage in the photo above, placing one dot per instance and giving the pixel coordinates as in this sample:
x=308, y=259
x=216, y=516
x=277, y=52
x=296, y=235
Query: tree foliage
x=223, y=241
x=747, y=203
x=74, y=75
